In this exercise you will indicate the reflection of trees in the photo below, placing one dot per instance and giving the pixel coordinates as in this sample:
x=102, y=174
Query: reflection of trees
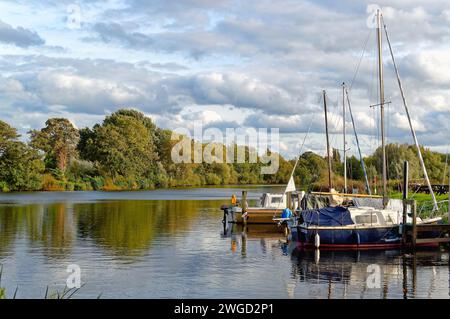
x=123, y=227
x=47, y=225
x=129, y=227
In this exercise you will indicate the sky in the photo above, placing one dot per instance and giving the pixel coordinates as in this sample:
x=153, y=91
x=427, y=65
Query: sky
x=229, y=64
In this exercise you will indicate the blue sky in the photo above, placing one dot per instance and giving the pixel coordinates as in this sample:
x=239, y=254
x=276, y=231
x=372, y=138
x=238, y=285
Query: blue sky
x=228, y=63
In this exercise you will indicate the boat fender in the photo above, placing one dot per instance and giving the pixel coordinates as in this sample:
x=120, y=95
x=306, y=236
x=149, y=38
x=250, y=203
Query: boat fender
x=317, y=240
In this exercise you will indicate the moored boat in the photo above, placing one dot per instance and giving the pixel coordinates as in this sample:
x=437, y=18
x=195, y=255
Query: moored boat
x=271, y=206
x=351, y=228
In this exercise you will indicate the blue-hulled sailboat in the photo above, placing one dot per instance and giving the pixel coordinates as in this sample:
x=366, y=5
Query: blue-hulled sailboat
x=346, y=222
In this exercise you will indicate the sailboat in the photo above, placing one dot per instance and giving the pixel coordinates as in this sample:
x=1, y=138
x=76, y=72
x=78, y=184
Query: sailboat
x=350, y=221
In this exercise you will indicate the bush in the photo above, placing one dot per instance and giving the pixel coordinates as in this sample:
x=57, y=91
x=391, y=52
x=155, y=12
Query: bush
x=4, y=187
x=69, y=186
x=97, y=182
x=52, y=184
x=110, y=186
x=213, y=179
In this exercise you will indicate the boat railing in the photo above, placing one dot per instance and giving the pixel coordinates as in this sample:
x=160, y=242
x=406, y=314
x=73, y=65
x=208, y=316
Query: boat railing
x=426, y=209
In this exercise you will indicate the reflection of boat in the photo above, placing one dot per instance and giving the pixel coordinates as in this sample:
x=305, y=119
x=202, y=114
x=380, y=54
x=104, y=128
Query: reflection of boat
x=353, y=272
x=270, y=237
x=264, y=231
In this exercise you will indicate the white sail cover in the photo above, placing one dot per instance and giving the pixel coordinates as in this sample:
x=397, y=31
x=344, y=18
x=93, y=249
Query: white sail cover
x=291, y=185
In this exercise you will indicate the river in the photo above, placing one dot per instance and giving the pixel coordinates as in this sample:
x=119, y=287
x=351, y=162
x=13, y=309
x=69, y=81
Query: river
x=172, y=244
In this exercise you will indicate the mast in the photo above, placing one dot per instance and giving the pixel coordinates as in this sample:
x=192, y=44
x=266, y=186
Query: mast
x=343, y=133
x=357, y=144
x=381, y=87
x=328, y=139
x=413, y=132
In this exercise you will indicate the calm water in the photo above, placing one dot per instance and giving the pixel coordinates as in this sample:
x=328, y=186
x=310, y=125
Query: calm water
x=171, y=243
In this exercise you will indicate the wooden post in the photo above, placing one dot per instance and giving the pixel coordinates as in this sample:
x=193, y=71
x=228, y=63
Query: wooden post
x=288, y=200
x=414, y=223
x=244, y=201
x=244, y=206
x=405, y=198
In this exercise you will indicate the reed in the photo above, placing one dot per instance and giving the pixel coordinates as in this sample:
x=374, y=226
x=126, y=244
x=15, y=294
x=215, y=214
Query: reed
x=67, y=293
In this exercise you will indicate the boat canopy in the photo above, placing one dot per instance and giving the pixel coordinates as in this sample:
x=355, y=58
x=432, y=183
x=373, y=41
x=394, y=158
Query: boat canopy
x=327, y=216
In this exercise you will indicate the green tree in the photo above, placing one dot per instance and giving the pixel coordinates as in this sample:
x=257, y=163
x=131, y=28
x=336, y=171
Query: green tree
x=123, y=146
x=58, y=140
x=311, y=169
x=21, y=167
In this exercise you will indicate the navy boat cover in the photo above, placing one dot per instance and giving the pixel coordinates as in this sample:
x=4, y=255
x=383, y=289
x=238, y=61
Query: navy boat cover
x=327, y=216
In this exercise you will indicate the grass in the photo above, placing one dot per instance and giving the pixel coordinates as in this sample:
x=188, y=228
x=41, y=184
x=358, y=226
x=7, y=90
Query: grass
x=425, y=203
x=65, y=294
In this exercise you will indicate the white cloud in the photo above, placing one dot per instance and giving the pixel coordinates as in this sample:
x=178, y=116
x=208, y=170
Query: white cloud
x=228, y=63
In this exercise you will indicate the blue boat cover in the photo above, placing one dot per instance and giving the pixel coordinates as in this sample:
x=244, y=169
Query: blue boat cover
x=327, y=216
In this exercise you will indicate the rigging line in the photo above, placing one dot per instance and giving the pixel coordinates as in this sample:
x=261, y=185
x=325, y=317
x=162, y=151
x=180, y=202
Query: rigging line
x=357, y=143
x=336, y=120
x=446, y=164
x=360, y=60
x=303, y=143
x=298, y=157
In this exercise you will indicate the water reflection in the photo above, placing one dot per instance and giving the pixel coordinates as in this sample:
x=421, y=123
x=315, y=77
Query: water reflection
x=124, y=228
x=48, y=226
x=180, y=249
x=351, y=272
x=269, y=237
x=129, y=227
x=347, y=274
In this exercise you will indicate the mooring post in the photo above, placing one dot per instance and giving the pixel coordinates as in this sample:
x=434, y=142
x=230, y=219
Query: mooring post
x=414, y=223
x=405, y=198
x=244, y=201
x=244, y=206
x=288, y=200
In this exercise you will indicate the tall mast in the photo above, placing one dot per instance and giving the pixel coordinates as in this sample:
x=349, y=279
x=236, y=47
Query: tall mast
x=343, y=133
x=328, y=139
x=381, y=83
x=413, y=132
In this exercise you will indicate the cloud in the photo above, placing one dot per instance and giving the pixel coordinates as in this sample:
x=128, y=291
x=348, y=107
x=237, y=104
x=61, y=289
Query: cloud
x=258, y=64
x=238, y=90
x=19, y=36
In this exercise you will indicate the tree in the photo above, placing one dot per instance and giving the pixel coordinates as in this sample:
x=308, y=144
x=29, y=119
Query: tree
x=58, y=140
x=7, y=135
x=21, y=167
x=123, y=146
x=311, y=168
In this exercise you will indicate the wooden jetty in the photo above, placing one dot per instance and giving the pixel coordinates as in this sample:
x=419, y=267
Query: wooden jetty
x=439, y=189
x=414, y=234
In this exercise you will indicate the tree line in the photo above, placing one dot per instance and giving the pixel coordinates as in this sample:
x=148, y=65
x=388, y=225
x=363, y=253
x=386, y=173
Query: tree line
x=127, y=151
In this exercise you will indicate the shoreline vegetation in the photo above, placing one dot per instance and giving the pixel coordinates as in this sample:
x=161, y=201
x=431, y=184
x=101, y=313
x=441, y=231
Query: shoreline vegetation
x=127, y=151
